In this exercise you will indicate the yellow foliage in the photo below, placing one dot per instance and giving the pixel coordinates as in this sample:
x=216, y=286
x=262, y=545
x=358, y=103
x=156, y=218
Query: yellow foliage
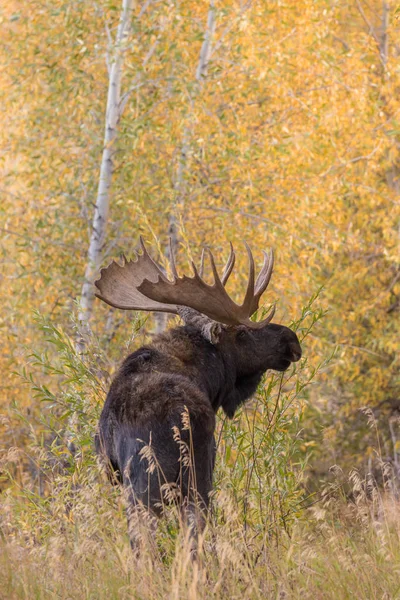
x=293, y=142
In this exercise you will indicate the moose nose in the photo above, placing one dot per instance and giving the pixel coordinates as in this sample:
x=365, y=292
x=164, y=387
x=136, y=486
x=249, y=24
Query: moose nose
x=295, y=350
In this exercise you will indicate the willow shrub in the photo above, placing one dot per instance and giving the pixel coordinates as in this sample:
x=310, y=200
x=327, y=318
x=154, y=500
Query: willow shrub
x=61, y=509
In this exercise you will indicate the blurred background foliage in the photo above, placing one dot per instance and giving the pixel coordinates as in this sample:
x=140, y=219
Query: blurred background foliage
x=291, y=142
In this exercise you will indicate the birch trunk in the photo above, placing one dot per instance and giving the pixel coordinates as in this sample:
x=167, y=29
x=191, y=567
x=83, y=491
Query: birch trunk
x=106, y=169
x=201, y=74
x=384, y=40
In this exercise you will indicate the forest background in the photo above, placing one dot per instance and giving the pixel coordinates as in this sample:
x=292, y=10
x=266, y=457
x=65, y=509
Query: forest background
x=287, y=138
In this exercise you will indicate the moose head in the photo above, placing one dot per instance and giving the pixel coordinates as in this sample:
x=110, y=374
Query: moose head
x=142, y=285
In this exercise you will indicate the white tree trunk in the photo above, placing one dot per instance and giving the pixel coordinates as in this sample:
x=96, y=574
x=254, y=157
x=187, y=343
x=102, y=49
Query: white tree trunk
x=201, y=73
x=205, y=51
x=384, y=39
x=106, y=169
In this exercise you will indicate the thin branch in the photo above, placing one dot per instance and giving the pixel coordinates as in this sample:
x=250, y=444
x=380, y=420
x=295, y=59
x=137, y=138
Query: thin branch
x=125, y=97
x=381, y=41
x=367, y=22
x=229, y=27
x=394, y=281
x=344, y=163
x=138, y=84
x=393, y=306
x=362, y=349
x=109, y=45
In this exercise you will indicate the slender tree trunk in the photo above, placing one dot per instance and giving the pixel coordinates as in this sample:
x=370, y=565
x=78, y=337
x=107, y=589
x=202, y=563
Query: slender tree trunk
x=384, y=39
x=200, y=76
x=101, y=209
x=179, y=187
x=205, y=52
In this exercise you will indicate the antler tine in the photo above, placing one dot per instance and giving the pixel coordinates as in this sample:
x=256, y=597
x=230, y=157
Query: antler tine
x=172, y=260
x=148, y=257
x=268, y=319
x=217, y=280
x=143, y=246
x=249, y=297
x=201, y=269
x=230, y=263
x=265, y=273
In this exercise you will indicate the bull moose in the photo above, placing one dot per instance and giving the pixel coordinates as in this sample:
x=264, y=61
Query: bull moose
x=166, y=394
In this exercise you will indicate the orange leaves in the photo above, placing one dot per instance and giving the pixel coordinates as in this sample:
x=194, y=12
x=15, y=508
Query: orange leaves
x=293, y=142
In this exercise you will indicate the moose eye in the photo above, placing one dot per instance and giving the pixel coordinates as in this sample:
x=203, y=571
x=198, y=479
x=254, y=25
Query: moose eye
x=241, y=334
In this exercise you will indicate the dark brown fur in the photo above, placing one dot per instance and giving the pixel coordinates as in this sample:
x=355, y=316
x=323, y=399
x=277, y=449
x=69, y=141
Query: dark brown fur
x=182, y=371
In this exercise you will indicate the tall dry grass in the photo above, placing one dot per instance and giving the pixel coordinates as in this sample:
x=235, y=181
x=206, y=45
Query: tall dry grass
x=338, y=550
x=63, y=527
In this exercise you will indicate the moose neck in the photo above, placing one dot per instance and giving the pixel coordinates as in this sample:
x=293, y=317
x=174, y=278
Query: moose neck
x=227, y=375
x=213, y=369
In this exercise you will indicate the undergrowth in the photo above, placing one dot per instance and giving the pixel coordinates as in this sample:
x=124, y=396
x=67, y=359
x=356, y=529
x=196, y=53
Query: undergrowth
x=63, y=526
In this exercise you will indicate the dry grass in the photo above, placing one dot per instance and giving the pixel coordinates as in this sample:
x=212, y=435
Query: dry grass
x=336, y=549
x=63, y=531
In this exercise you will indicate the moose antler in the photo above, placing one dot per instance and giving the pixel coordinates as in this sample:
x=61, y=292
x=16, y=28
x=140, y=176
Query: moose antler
x=142, y=285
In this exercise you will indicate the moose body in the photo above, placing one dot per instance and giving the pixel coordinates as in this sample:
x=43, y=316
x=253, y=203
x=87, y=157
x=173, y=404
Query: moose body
x=166, y=394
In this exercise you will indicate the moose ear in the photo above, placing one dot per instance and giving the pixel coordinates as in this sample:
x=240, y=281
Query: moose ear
x=212, y=332
x=209, y=329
